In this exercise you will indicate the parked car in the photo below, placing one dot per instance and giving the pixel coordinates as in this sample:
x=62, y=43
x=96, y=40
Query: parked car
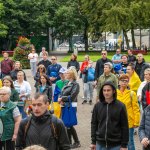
x=79, y=44
x=65, y=44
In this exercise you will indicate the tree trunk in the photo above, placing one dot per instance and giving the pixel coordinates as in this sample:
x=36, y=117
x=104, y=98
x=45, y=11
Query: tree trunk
x=133, y=38
x=126, y=38
x=70, y=44
x=86, y=37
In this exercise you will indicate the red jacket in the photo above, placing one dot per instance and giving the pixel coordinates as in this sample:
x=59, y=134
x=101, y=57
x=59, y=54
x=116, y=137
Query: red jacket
x=84, y=65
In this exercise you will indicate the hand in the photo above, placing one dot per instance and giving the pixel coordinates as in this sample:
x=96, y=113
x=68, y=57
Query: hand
x=93, y=147
x=145, y=142
x=52, y=78
x=14, y=137
x=135, y=126
x=59, y=100
x=123, y=148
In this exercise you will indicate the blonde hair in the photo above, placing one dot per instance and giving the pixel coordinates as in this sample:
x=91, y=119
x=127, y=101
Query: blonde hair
x=73, y=72
x=34, y=147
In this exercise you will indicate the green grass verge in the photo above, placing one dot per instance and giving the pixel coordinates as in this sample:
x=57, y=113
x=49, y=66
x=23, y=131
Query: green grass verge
x=94, y=56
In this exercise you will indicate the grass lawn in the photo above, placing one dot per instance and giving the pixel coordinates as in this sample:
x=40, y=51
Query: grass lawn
x=94, y=56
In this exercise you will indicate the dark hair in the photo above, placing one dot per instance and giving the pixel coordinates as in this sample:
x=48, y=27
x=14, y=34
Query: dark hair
x=101, y=95
x=47, y=79
x=38, y=95
x=125, y=56
x=132, y=65
x=75, y=57
x=10, y=80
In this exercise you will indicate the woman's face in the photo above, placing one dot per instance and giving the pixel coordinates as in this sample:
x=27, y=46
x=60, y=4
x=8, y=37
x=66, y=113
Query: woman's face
x=41, y=69
x=129, y=70
x=147, y=76
x=7, y=83
x=107, y=69
x=17, y=65
x=43, y=80
x=68, y=75
x=72, y=57
x=20, y=76
x=124, y=59
x=124, y=82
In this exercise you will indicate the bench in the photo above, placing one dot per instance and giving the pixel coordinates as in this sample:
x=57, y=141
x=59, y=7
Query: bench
x=9, y=52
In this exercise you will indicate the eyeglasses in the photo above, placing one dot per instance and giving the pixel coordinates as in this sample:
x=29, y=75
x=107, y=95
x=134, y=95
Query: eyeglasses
x=53, y=59
x=3, y=94
x=103, y=53
x=126, y=81
x=41, y=68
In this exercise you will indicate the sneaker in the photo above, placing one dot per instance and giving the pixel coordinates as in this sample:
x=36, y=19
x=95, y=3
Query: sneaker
x=75, y=145
x=90, y=102
x=85, y=101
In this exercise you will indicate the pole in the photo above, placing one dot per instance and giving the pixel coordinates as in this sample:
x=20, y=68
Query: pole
x=105, y=40
x=140, y=39
x=149, y=38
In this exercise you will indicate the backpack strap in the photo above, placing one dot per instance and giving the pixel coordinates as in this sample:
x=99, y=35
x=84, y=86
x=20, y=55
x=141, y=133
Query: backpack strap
x=26, y=127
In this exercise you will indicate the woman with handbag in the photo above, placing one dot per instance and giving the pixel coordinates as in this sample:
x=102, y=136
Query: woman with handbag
x=68, y=100
x=45, y=86
x=129, y=98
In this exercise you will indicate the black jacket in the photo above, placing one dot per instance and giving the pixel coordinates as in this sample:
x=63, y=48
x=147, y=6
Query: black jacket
x=144, y=129
x=40, y=132
x=74, y=63
x=47, y=91
x=109, y=125
x=99, y=69
x=71, y=89
x=140, y=68
x=131, y=59
x=46, y=63
x=13, y=75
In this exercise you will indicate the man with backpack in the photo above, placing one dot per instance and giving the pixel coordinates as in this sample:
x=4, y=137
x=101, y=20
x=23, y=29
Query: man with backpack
x=42, y=128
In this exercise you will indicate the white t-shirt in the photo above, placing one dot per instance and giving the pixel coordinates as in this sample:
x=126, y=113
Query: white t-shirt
x=33, y=57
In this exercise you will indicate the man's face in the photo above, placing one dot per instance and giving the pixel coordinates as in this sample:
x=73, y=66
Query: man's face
x=124, y=59
x=147, y=76
x=118, y=51
x=53, y=60
x=108, y=92
x=39, y=107
x=43, y=49
x=44, y=57
x=139, y=57
x=4, y=96
x=5, y=55
x=129, y=52
x=104, y=54
x=17, y=65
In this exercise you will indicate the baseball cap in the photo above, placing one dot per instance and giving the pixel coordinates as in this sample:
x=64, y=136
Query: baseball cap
x=62, y=70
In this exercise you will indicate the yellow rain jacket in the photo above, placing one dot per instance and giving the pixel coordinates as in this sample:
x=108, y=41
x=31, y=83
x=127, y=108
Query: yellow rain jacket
x=129, y=98
x=0, y=83
x=134, y=82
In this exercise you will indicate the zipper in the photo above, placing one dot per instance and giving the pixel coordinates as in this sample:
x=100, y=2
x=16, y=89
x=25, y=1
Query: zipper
x=106, y=125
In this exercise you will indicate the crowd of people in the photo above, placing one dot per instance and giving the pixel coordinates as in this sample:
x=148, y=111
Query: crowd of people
x=122, y=85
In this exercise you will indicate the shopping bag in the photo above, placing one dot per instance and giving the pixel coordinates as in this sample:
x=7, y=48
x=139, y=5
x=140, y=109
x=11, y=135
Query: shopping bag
x=56, y=108
x=69, y=114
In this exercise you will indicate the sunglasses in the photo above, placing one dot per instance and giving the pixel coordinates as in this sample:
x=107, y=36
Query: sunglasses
x=103, y=53
x=53, y=59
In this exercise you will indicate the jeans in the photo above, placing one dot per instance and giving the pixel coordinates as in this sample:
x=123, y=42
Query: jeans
x=33, y=68
x=131, y=145
x=88, y=90
x=100, y=147
x=21, y=109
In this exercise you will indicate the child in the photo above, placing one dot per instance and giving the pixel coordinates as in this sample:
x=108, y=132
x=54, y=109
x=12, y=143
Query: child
x=89, y=83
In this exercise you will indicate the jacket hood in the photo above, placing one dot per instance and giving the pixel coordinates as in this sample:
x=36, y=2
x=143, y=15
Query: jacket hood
x=101, y=96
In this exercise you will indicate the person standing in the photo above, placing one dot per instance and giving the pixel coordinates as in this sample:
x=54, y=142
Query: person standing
x=33, y=57
x=9, y=119
x=6, y=65
x=129, y=98
x=99, y=69
x=71, y=90
x=53, y=72
x=89, y=83
x=43, y=128
x=17, y=68
x=73, y=62
x=42, y=53
x=106, y=76
x=45, y=61
x=109, y=123
x=140, y=66
x=24, y=89
x=143, y=132
x=131, y=57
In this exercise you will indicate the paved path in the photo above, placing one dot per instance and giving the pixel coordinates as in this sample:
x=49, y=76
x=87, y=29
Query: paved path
x=84, y=116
